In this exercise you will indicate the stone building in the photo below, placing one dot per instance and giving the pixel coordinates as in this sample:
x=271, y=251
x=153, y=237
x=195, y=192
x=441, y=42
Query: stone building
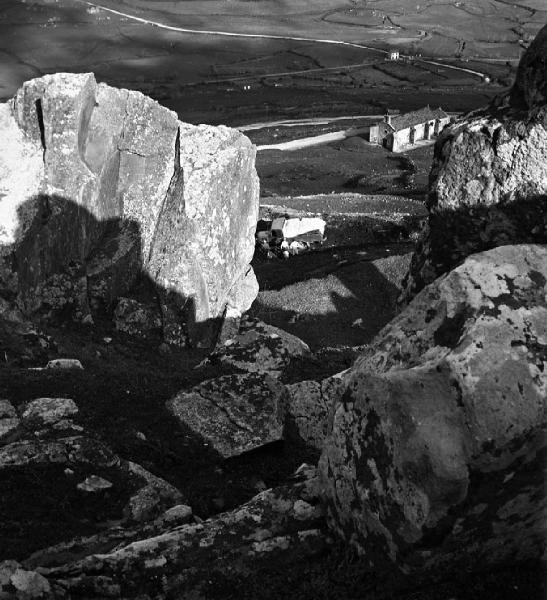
x=402, y=132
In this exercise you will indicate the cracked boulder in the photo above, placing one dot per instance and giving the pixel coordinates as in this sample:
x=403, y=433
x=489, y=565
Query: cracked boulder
x=99, y=185
x=233, y=413
x=436, y=454
x=488, y=181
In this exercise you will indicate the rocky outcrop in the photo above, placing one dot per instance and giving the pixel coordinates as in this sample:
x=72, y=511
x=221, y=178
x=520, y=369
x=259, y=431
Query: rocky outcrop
x=99, y=184
x=488, y=182
x=267, y=534
x=437, y=450
x=530, y=89
x=44, y=433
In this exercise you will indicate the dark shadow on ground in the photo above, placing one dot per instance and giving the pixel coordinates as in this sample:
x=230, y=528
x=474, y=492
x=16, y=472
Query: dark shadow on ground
x=121, y=392
x=340, y=300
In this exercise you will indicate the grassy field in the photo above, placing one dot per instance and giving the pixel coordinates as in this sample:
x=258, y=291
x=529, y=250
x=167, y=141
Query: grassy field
x=233, y=80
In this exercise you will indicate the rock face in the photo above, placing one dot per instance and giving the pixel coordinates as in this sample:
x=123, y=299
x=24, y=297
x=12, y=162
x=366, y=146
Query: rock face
x=437, y=450
x=530, y=87
x=99, y=184
x=488, y=182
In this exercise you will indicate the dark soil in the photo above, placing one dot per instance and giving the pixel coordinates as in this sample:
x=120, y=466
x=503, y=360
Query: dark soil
x=121, y=394
x=41, y=505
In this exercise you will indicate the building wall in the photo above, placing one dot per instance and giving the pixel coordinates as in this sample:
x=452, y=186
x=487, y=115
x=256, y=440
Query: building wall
x=443, y=123
x=374, y=134
x=399, y=140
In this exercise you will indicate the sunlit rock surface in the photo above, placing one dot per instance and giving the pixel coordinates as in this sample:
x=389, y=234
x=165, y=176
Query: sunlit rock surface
x=101, y=183
x=488, y=182
x=437, y=453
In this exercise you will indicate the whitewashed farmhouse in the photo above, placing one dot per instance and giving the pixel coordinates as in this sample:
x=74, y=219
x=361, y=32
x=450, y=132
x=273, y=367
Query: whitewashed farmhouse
x=403, y=132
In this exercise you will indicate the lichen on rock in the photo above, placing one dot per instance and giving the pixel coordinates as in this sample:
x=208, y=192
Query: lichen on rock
x=116, y=184
x=437, y=447
x=488, y=181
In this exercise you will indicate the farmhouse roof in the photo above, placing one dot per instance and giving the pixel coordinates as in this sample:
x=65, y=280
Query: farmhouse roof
x=416, y=117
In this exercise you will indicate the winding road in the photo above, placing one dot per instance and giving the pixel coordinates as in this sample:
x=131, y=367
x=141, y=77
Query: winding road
x=268, y=37
x=263, y=36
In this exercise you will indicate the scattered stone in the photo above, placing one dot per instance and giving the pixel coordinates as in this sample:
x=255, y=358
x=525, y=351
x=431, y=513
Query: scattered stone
x=94, y=484
x=233, y=413
x=179, y=514
x=305, y=471
x=259, y=348
x=436, y=453
x=151, y=499
x=208, y=224
x=49, y=410
x=88, y=320
x=16, y=583
x=64, y=363
x=267, y=534
x=304, y=510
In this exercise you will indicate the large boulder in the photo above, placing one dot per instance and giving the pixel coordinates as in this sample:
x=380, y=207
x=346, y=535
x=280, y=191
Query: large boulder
x=530, y=87
x=103, y=184
x=233, y=413
x=437, y=449
x=488, y=182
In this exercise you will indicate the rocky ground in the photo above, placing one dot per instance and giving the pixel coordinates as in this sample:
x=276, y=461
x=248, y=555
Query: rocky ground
x=149, y=466
x=120, y=394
